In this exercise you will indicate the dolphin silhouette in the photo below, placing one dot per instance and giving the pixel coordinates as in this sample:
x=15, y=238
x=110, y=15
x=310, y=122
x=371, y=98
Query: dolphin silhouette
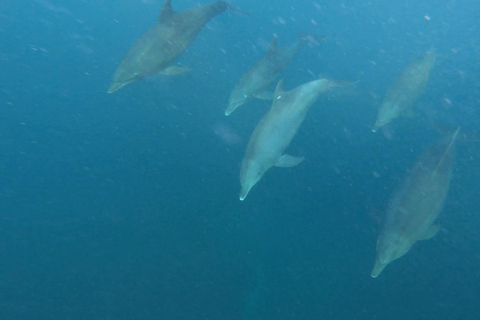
x=414, y=208
x=157, y=48
x=259, y=76
x=276, y=130
x=406, y=89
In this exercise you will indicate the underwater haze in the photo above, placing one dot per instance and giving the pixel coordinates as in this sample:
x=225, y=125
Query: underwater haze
x=126, y=205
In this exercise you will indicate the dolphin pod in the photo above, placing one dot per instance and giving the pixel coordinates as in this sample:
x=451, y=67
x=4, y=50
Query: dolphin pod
x=161, y=45
x=414, y=208
x=406, y=89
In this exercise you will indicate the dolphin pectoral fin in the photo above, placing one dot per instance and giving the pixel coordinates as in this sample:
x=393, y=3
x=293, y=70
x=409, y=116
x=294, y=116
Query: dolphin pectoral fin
x=175, y=70
x=264, y=95
x=430, y=232
x=287, y=161
x=166, y=12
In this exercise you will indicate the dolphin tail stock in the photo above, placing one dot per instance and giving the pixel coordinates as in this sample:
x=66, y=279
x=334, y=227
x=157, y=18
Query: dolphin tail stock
x=309, y=38
x=232, y=8
x=338, y=82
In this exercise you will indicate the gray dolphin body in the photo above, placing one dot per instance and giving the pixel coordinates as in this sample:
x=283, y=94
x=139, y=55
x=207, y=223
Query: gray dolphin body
x=161, y=45
x=414, y=208
x=407, y=87
x=276, y=130
x=261, y=74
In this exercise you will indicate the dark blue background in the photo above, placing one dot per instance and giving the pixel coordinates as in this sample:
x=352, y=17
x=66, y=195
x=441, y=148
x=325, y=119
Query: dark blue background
x=126, y=206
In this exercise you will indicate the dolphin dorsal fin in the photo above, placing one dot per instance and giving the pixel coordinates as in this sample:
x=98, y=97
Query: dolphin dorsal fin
x=278, y=90
x=273, y=45
x=166, y=12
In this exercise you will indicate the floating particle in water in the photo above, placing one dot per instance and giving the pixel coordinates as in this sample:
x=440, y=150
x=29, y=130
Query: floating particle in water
x=279, y=20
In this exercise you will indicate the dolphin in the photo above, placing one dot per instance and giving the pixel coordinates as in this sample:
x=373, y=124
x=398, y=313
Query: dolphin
x=407, y=87
x=276, y=130
x=156, y=49
x=414, y=208
x=261, y=74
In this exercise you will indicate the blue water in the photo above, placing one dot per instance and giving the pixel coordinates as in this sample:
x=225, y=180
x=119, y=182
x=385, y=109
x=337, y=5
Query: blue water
x=125, y=206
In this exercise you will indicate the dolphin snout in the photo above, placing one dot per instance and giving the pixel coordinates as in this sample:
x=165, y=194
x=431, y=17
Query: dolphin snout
x=244, y=193
x=376, y=126
x=115, y=87
x=377, y=269
x=230, y=109
x=232, y=106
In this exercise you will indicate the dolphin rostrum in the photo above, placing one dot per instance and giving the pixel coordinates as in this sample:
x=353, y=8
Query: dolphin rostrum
x=276, y=130
x=407, y=87
x=414, y=208
x=161, y=45
x=260, y=75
